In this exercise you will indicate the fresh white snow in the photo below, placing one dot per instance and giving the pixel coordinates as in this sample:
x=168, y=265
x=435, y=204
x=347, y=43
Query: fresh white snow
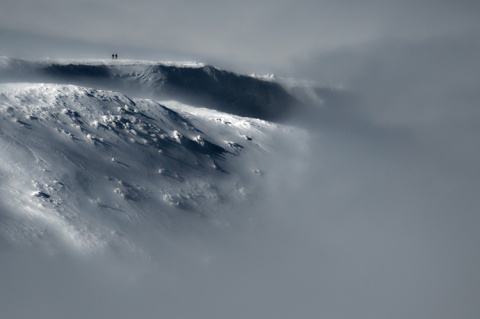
x=79, y=164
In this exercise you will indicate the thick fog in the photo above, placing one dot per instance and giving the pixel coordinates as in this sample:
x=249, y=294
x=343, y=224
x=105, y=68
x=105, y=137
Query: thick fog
x=375, y=215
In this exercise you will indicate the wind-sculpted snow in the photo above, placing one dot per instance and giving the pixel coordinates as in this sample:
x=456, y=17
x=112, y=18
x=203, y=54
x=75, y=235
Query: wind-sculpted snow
x=79, y=167
x=193, y=83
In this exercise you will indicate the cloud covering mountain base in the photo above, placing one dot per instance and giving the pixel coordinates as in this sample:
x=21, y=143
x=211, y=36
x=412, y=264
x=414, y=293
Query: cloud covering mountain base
x=357, y=217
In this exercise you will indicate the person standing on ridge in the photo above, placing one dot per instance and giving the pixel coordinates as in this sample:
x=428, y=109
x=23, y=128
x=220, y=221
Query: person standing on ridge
x=113, y=56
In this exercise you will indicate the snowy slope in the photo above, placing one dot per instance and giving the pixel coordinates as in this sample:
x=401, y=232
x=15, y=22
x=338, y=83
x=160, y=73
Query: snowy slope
x=87, y=169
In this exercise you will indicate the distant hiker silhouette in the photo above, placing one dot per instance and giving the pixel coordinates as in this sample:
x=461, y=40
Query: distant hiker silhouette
x=116, y=56
x=113, y=56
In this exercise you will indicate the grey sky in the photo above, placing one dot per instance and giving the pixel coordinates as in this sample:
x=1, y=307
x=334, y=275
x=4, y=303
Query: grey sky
x=266, y=34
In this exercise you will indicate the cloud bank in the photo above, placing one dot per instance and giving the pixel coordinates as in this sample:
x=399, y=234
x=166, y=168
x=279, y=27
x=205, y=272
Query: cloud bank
x=378, y=220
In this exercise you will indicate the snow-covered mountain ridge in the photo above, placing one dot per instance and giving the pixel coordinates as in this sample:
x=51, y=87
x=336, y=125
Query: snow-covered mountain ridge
x=189, y=82
x=264, y=97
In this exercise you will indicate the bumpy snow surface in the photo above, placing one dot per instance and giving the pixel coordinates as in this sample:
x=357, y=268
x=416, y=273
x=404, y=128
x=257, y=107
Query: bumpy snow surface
x=83, y=169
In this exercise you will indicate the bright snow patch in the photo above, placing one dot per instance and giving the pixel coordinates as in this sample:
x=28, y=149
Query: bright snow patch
x=100, y=160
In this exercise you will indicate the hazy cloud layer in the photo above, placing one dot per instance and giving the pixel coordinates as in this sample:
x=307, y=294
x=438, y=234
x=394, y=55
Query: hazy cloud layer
x=380, y=220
